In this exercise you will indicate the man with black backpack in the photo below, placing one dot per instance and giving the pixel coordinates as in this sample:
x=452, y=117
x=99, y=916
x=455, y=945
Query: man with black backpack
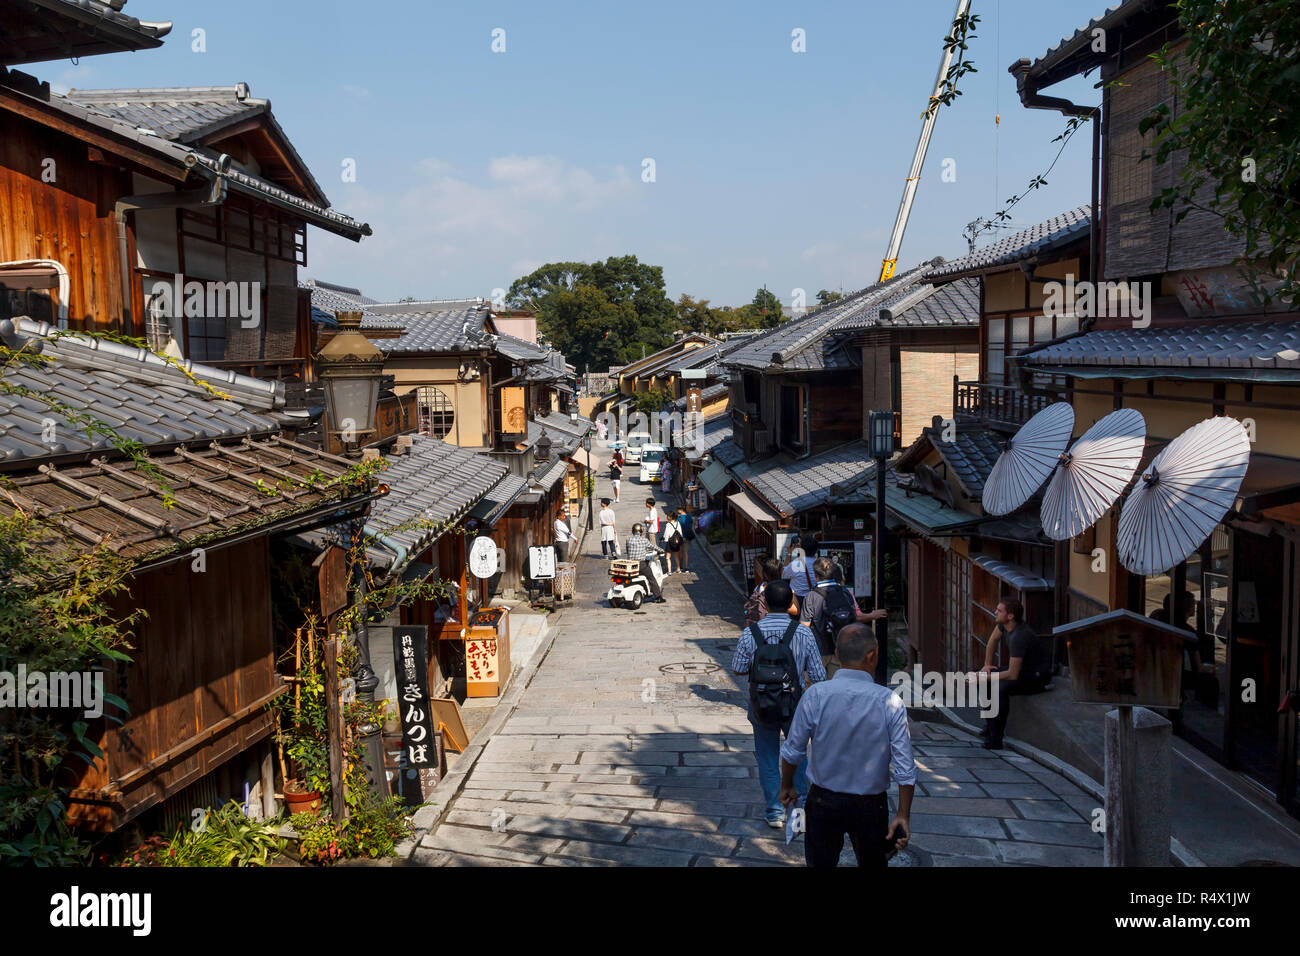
x=828, y=607
x=776, y=654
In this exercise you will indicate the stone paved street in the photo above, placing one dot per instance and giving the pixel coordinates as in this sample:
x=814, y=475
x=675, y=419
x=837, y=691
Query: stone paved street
x=631, y=746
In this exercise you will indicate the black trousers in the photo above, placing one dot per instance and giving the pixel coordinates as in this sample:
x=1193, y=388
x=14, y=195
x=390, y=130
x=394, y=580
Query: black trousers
x=829, y=815
x=995, y=726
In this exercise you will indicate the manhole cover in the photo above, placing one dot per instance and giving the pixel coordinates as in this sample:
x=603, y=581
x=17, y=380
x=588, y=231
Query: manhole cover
x=690, y=667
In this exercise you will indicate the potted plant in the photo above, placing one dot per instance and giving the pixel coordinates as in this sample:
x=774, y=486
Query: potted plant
x=301, y=731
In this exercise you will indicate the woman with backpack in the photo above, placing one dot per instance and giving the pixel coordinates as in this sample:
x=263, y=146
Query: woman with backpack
x=674, y=541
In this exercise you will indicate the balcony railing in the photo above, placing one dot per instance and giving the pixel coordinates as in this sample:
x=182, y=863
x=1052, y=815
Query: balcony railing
x=997, y=404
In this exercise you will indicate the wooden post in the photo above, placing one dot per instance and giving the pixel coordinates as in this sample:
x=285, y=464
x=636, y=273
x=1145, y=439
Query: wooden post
x=334, y=727
x=268, y=781
x=1126, y=844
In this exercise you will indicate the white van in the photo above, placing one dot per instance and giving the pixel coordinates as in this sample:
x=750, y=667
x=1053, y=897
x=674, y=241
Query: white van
x=632, y=453
x=652, y=457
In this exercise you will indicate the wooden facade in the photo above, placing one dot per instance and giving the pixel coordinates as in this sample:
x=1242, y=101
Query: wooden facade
x=203, y=671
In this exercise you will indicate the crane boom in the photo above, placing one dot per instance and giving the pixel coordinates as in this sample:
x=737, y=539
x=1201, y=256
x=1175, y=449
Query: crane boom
x=918, y=160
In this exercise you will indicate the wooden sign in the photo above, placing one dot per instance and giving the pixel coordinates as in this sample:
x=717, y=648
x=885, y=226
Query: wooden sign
x=332, y=580
x=514, y=413
x=447, y=713
x=482, y=667
x=419, y=750
x=483, y=557
x=693, y=403
x=1123, y=658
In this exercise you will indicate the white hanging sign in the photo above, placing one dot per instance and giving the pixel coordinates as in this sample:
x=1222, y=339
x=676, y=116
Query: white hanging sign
x=483, y=557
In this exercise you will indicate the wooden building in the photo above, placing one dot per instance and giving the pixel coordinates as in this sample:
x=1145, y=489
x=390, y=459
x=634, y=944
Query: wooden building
x=203, y=664
x=1206, y=348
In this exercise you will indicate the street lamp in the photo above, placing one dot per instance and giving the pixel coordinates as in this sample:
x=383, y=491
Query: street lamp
x=881, y=445
x=351, y=369
x=543, y=450
x=590, y=480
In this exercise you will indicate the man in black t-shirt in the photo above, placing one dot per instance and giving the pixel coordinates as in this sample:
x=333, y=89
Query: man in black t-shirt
x=1027, y=673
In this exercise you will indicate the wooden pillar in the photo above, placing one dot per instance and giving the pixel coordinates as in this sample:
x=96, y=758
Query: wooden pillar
x=334, y=729
x=268, y=780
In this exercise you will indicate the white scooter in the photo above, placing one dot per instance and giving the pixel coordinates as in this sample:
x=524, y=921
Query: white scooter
x=629, y=583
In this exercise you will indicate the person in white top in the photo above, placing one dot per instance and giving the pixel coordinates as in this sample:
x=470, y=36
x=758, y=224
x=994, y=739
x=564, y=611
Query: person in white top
x=608, y=530
x=563, y=535
x=671, y=528
x=651, y=521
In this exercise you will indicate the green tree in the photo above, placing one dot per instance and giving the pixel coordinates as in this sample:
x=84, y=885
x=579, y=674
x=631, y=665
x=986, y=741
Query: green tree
x=1236, y=83
x=599, y=314
x=826, y=297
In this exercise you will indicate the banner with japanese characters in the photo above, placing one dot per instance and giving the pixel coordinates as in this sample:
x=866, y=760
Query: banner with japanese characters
x=419, y=748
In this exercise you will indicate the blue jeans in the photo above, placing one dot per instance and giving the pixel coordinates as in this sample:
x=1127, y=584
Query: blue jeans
x=767, y=751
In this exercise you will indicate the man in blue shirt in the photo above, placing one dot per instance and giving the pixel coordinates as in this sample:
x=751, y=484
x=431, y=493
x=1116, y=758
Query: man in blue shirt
x=808, y=660
x=857, y=729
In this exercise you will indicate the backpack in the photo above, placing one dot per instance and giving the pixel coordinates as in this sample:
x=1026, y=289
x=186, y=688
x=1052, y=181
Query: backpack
x=756, y=606
x=674, y=543
x=838, y=609
x=774, y=685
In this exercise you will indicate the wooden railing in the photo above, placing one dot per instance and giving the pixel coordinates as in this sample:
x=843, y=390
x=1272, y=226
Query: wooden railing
x=1001, y=404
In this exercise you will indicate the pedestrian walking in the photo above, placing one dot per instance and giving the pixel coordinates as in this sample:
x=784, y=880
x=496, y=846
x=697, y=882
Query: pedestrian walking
x=1028, y=669
x=608, y=530
x=673, y=542
x=652, y=521
x=768, y=569
x=666, y=475
x=778, y=654
x=563, y=536
x=601, y=429
x=640, y=548
x=828, y=608
x=857, y=729
x=799, y=570
x=616, y=475
x=687, y=522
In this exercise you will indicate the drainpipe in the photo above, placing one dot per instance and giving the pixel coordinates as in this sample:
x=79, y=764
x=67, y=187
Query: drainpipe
x=211, y=195
x=1032, y=99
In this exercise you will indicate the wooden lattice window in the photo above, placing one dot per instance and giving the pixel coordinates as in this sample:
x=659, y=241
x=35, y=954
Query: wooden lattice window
x=437, y=412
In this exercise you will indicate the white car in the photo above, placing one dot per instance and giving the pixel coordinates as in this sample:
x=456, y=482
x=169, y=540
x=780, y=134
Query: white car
x=652, y=457
x=632, y=451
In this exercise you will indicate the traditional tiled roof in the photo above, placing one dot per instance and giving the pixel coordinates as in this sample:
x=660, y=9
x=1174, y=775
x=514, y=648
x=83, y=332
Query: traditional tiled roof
x=1200, y=348
x=197, y=496
x=728, y=452
x=457, y=329
x=557, y=423
x=1050, y=234
x=808, y=343
x=1083, y=39
x=970, y=455
x=133, y=391
x=203, y=161
x=499, y=499
x=922, y=305
x=189, y=115
x=431, y=486
x=792, y=485
x=74, y=28
x=710, y=433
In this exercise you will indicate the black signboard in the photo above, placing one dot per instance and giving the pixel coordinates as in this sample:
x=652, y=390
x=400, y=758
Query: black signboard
x=419, y=748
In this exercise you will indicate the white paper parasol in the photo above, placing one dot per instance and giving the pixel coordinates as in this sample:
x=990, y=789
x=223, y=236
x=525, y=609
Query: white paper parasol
x=1093, y=474
x=1183, y=495
x=1028, y=459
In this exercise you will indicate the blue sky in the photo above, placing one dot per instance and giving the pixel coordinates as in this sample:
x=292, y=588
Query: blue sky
x=771, y=167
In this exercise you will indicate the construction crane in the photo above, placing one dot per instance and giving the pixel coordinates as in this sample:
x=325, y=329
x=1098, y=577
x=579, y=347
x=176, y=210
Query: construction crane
x=918, y=160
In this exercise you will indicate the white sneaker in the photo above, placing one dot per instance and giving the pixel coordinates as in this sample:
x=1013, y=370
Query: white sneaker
x=777, y=823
